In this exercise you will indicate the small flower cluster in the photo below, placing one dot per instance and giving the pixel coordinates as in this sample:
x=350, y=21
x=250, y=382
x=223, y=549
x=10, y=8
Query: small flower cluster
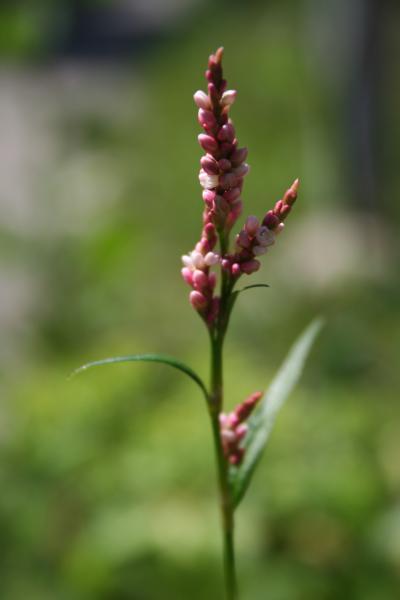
x=233, y=428
x=255, y=238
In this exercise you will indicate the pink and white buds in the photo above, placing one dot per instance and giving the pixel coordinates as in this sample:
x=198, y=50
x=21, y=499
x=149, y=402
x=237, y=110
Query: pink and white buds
x=202, y=100
x=228, y=98
x=233, y=429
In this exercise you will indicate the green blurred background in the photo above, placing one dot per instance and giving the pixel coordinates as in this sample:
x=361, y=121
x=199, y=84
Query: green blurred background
x=107, y=481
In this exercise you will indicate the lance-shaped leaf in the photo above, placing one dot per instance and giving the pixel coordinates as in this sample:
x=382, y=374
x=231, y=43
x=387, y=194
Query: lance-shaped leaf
x=262, y=421
x=158, y=358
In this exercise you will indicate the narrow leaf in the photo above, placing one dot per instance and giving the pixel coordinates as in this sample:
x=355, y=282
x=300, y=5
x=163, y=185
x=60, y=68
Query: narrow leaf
x=158, y=358
x=254, y=285
x=263, y=420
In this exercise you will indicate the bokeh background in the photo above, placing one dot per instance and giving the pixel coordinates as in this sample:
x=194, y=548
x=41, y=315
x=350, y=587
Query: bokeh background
x=107, y=481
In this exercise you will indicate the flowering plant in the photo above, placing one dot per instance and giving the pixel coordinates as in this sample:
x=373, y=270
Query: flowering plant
x=240, y=435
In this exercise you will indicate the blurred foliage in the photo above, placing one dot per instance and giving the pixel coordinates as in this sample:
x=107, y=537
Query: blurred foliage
x=107, y=480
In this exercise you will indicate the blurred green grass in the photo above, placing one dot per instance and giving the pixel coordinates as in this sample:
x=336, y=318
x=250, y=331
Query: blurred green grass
x=107, y=480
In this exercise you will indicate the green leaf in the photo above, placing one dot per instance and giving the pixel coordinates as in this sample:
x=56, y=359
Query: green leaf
x=158, y=358
x=263, y=420
x=254, y=285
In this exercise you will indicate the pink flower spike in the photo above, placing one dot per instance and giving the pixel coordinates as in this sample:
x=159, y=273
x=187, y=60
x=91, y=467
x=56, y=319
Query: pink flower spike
x=207, y=142
x=202, y=100
x=197, y=300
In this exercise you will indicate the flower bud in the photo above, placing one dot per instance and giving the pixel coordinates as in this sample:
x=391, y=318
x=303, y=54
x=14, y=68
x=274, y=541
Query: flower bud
x=200, y=280
x=270, y=220
x=211, y=259
x=252, y=225
x=208, y=182
x=228, y=97
x=243, y=240
x=206, y=119
x=209, y=164
x=250, y=266
x=225, y=164
x=241, y=431
x=228, y=180
x=291, y=194
x=238, y=156
x=197, y=300
x=235, y=270
x=208, y=196
x=226, y=133
x=187, y=275
x=202, y=100
x=236, y=458
x=245, y=408
x=259, y=250
x=242, y=170
x=232, y=194
x=265, y=237
x=207, y=142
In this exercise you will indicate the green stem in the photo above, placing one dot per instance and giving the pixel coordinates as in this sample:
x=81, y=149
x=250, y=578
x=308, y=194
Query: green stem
x=216, y=403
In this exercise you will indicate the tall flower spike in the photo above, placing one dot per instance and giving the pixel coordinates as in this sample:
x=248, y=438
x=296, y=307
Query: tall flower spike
x=222, y=169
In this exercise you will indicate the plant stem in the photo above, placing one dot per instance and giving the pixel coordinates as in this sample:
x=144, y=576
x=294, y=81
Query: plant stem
x=216, y=403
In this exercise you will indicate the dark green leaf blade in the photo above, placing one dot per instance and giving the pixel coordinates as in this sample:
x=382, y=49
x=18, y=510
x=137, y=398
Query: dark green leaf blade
x=158, y=358
x=262, y=421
